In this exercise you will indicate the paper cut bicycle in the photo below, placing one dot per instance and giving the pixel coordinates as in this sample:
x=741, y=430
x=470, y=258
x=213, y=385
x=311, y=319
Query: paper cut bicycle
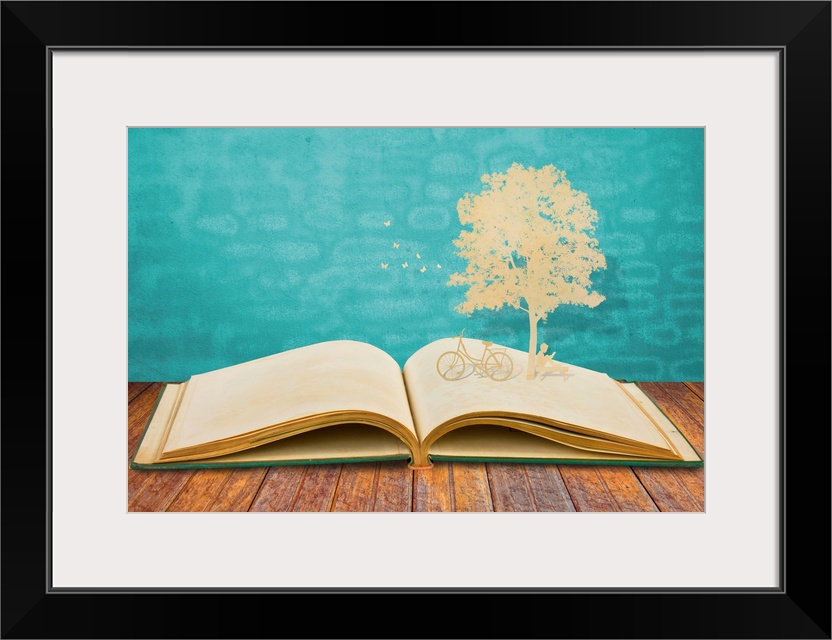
x=494, y=363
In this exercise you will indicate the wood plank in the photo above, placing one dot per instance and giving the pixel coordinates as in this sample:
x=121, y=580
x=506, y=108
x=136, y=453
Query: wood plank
x=668, y=490
x=160, y=490
x=548, y=489
x=279, y=488
x=694, y=481
x=688, y=415
x=470, y=490
x=138, y=413
x=356, y=487
x=587, y=490
x=510, y=490
x=199, y=490
x=698, y=388
x=688, y=399
x=626, y=489
x=240, y=488
x=597, y=488
x=317, y=487
x=394, y=487
x=432, y=488
x=219, y=490
x=135, y=388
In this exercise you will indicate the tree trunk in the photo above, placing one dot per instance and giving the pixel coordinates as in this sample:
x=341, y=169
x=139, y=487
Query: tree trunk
x=532, y=345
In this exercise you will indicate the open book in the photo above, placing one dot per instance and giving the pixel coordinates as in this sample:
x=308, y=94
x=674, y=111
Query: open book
x=344, y=401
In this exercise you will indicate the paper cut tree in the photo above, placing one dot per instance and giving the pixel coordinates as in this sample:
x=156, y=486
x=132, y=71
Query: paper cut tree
x=530, y=246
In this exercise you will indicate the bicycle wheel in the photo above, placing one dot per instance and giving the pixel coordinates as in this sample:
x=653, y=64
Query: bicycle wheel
x=450, y=365
x=498, y=366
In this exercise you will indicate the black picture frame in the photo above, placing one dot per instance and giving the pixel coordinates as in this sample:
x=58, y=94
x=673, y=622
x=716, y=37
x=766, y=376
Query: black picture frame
x=799, y=608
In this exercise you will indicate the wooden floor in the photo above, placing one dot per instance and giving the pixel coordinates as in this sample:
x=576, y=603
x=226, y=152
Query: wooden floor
x=392, y=486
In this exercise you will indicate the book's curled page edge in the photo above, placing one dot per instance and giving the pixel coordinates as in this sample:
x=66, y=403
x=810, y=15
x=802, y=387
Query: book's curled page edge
x=346, y=443
x=509, y=441
x=492, y=443
x=495, y=443
x=669, y=429
x=158, y=425
x=343, y=443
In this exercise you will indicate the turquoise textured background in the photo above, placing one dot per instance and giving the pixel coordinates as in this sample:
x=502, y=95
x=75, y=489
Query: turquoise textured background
x=244, y=242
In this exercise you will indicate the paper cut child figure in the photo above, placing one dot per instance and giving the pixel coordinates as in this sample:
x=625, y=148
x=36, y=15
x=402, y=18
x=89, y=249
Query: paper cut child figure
x=542, y=359
x=545, y=363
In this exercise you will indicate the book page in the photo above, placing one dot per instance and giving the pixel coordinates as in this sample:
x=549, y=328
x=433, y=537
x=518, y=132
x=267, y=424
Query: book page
x=328, y=377
x=153, y=438
x=678, y=439
x=580, y=397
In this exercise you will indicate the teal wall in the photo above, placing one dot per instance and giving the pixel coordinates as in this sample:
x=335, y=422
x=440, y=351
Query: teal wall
x=244, y=242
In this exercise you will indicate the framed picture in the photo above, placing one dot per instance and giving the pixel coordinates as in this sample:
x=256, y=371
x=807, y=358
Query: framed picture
x=70, y=546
